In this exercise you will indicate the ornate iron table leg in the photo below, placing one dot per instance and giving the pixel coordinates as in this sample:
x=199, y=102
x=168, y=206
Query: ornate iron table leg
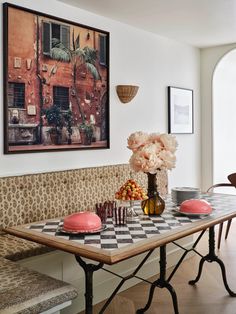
x=161, y=283
x=211, y=257
x=88, y=271
x=193, y=248
x=124, y=279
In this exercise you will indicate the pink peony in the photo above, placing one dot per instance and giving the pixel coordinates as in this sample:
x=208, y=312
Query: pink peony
x=152, y=152
x=151, y=149
x=136, y=140
x=169, y=142
x=145, y=162
x=154, y=137
x=168, y=158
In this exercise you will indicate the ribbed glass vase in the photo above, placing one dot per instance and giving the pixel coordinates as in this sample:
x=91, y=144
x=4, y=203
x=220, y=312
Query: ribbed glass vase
x=154, y=205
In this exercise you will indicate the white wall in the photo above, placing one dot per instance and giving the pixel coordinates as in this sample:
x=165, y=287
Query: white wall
x=224, y=119
x=136, y=57
x=209, y=59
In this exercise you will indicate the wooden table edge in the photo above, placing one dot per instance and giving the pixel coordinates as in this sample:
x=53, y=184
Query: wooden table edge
x=116, y=255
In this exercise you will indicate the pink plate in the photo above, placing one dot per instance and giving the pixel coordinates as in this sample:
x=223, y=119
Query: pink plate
x=195, y=207
x=62, y=230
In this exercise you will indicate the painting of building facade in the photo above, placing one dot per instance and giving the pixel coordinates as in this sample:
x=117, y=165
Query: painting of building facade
x=56, y=83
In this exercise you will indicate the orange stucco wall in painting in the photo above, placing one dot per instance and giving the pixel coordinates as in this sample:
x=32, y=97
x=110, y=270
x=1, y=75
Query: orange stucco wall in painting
x=22, y=45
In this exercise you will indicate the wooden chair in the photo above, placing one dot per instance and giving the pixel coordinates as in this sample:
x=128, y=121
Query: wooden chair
x=232, y=180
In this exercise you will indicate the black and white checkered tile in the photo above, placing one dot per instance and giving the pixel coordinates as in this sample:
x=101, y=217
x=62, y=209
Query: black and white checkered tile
x=114, y=237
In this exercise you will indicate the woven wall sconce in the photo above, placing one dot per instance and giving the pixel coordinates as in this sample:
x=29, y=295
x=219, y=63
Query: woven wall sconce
x=126, y=92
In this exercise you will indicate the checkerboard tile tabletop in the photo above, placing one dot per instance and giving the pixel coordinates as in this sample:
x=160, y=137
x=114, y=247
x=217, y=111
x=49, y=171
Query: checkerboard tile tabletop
x=113, y=236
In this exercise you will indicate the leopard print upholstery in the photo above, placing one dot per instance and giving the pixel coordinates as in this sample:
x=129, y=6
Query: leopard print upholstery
x=29, y=198
x=25, y=291
x=15, y=249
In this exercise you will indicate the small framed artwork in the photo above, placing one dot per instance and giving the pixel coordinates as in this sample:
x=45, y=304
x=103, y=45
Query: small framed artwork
x=56, y=83
x=180, y=110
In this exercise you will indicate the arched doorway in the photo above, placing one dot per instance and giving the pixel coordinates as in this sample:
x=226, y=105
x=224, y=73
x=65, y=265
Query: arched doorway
x=224, y=118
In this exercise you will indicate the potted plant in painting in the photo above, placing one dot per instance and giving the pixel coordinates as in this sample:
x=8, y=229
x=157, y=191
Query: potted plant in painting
x=86, y=133
x=55, y=120
x=68, y=122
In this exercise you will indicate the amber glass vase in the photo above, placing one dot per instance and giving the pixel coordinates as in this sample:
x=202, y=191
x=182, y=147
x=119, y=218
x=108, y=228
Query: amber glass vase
x=154, y=205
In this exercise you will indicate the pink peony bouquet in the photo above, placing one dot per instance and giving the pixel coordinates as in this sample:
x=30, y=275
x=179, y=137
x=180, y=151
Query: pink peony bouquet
x=152, y=152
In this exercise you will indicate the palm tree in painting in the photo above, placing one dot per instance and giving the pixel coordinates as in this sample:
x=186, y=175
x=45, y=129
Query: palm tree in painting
x=79, y=57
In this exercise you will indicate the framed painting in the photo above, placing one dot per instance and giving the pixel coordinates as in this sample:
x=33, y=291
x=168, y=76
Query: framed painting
x=56, y=83
x=180, y=110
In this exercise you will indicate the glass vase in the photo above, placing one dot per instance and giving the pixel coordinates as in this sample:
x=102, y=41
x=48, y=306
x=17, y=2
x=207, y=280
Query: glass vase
x=154, y=205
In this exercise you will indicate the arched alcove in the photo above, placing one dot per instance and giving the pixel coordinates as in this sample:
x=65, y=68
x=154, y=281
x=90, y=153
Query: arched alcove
x=224, y=118
x=210, y=57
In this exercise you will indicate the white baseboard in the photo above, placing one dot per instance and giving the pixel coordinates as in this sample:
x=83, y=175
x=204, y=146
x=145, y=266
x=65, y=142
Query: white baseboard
x=57, y=309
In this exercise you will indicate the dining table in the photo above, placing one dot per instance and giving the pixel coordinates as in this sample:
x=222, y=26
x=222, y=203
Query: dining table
x=142, y=235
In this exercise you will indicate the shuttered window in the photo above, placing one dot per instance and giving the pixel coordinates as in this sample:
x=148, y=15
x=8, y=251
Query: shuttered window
x=46, y=38
x=56, y=31
x=65, y=36
x=61, y=97
x=102, y=50
x=53, y=30
x=16, y=95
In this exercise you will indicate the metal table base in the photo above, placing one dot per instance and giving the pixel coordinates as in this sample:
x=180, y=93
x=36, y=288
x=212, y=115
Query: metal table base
x=161, y=282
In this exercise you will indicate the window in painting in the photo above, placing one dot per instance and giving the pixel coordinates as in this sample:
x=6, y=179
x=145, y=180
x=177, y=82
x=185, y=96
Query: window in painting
x=57, y=31
x=16, y=95
x=61, y=97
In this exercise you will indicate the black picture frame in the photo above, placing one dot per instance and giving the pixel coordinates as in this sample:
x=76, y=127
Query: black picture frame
x=180, y=110
x=56, y=83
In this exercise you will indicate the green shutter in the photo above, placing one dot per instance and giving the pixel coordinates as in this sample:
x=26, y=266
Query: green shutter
x=10, y=93
x=65, y=36
x=102, y=52
x=46, y=38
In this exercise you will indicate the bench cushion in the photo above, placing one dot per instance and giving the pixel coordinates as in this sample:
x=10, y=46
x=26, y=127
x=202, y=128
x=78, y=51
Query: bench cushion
x=24, y=291
x=15, y=249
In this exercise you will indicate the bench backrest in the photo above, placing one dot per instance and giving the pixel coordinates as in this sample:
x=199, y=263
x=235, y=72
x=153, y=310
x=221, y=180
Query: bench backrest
x=29, y=198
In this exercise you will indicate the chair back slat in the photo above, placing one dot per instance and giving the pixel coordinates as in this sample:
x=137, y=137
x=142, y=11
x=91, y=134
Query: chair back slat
x=232, y=179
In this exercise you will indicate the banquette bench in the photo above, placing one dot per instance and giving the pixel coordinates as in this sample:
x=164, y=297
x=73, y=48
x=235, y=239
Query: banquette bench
x=25, y=291
x=34, y=197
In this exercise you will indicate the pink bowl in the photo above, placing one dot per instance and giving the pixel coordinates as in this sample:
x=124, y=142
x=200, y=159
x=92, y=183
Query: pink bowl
x=195, y=207
x=83, y=222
